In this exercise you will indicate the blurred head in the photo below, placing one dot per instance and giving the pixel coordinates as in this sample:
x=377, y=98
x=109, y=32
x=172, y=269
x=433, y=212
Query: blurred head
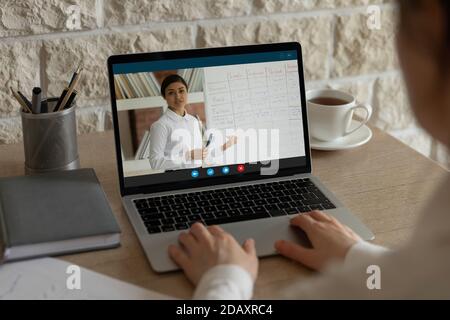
x=174, y=90
x=423, y=42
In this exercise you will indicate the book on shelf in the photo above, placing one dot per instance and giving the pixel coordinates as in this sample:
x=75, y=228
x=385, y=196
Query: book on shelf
x=154, y=83
x=143, y=151
x=123, y=84
x=144, y=84
x=134, y=85
x=119, y=93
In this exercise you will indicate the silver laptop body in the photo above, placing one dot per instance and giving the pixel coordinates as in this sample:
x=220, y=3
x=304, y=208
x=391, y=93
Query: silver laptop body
x=265, y=231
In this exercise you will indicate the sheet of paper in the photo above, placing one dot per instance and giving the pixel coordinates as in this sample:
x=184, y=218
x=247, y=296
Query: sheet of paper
x=47, y=278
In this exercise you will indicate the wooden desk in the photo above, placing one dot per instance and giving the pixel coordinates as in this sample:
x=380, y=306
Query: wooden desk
x=383, y=182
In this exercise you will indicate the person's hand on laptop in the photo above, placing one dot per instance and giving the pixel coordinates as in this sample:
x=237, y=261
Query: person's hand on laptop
x=330, y=239
x=204, y=248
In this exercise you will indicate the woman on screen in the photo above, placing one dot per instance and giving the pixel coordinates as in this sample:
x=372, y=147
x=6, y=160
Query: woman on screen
x=176, y=140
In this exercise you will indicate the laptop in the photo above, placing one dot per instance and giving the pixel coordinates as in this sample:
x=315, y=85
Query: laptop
x=247, y=104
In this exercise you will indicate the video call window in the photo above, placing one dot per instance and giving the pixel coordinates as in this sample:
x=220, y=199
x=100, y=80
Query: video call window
x=204, y=117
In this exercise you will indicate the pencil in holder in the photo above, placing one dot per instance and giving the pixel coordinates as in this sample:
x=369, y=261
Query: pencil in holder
x=50, y=139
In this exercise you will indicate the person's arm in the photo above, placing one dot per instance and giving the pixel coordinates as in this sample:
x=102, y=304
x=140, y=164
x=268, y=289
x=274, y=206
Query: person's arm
x=350, y=268
x=216, y=151
x=230, y=142
x=369, y=272
x=362, y=251
x=159, y=136
x=225, y=282
x=232, y=282
x=229, y=278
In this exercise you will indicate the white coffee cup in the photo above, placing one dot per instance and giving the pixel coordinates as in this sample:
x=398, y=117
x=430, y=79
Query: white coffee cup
x=328, y=122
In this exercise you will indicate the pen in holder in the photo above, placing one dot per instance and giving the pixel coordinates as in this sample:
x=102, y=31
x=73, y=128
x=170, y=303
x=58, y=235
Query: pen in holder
x=50, y=139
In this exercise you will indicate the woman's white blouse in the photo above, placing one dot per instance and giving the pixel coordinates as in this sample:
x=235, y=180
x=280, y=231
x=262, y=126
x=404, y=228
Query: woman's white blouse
x=171, y=139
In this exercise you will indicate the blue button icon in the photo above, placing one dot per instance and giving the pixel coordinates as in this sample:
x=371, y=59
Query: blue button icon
x=225, y=170
x=210, y=172
x=195, y=173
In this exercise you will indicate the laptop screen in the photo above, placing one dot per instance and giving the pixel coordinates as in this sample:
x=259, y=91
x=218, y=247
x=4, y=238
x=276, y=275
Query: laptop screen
x=196, y=117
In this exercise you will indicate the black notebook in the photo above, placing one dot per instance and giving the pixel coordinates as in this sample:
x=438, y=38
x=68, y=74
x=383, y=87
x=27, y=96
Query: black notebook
x=54, y=213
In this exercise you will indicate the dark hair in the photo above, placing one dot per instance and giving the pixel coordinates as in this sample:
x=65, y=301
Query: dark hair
x=407, y=6
x=169, y=80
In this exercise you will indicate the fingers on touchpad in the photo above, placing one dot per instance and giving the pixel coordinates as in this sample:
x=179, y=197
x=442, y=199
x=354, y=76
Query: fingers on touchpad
x=299, y=236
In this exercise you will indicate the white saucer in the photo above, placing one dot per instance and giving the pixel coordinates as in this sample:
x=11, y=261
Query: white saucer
x=356, y=139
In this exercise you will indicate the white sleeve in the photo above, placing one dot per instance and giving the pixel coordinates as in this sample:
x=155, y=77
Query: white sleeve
x=225, y=282
x=159, y=135
x=364, y=250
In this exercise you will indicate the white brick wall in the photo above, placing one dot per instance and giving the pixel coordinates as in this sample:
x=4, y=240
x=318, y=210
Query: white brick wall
x=36, y=47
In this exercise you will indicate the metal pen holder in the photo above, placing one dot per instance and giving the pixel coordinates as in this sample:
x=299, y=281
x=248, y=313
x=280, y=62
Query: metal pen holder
x=50, y=140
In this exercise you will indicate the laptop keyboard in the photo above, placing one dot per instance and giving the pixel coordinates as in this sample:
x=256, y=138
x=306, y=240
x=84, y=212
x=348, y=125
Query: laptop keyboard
x=221, y=206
